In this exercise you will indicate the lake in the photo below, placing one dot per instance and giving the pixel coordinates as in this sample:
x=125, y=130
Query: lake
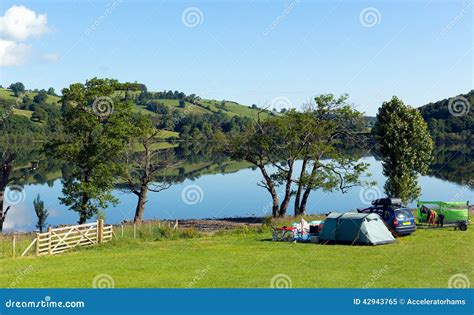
x=218, y=188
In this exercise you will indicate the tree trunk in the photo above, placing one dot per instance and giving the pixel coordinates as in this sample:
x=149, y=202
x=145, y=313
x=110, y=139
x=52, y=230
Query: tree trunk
x=286, y=199
x=271, y=189
x=304, y=200
x=140, y=209
x=2, y=213
x=83, y=213
x=300, y=188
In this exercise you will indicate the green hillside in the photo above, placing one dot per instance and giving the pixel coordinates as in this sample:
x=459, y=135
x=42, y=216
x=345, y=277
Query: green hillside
x=203, y=106
x=451, y=119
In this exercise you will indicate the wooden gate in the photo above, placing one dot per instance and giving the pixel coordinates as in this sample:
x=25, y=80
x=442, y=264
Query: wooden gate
x=59, y=240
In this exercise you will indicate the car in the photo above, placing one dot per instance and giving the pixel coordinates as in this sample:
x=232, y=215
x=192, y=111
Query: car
x=399, y=219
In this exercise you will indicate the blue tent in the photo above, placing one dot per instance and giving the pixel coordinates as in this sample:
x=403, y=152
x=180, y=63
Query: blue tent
x=355, y=228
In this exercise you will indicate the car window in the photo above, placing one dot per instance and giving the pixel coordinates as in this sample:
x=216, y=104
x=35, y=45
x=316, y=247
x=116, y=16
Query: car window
x=404, y=214
x=387, y=214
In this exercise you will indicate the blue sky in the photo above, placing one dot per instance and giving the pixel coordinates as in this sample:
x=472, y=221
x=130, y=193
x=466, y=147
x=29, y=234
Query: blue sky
x=255, y=51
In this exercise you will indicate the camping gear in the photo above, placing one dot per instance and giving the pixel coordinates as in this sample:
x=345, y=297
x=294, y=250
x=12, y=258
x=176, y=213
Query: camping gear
x=283, y=234
x=353, y=227
x=456, y=213
x=299, y=232
x=387, y=202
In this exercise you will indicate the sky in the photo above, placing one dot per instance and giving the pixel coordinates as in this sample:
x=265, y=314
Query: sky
x=252, y=52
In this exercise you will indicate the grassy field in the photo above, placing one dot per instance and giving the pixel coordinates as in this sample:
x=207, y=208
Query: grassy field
x=247, y=258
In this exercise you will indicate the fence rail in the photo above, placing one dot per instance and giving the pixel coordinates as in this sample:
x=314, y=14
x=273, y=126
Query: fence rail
x=59, y=240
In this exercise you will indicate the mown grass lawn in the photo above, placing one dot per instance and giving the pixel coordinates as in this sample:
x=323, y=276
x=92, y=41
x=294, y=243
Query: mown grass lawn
x=248, y=259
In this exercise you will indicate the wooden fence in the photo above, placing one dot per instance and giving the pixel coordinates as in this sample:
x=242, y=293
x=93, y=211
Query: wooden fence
x=59, y=240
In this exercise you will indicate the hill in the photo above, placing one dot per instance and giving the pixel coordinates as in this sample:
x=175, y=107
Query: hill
x=451, y=119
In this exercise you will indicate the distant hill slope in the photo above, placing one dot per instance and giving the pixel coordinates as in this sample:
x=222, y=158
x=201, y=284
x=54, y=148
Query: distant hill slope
x=451, y=119
x=202, y=106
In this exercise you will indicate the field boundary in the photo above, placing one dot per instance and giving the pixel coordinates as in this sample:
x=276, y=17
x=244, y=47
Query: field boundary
x=62, y=239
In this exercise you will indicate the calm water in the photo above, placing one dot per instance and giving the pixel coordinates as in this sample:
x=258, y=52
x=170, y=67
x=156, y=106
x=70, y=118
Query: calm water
x=237, y=195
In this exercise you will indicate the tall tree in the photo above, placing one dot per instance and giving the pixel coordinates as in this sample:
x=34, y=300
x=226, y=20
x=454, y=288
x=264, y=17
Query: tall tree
x=41, y=213
x=145, y=162
x=308, y=136
x=96, y=132
x=17, y=88
x=405, y=146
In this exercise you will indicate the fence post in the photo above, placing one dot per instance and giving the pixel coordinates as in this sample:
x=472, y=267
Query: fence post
x=37, y=244
x=49, y=240
x=14, y=245
x=149, y=228
x=100, y=230
x=122, y=229
x=134, y=230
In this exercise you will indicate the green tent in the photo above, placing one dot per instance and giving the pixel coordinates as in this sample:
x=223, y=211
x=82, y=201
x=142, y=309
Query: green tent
x=353, y=227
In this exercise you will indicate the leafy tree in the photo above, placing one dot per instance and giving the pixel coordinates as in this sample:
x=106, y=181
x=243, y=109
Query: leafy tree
x=95, y=137
x=17, y=88
x=51, y=91
x=41, y=213
x=39, y=114
x=41, y=97
x=405, y=146
x=308, y=136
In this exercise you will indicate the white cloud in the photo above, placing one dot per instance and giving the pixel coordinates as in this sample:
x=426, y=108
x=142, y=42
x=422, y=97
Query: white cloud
x=19, y=23
x=51, y=57
x=13, y=54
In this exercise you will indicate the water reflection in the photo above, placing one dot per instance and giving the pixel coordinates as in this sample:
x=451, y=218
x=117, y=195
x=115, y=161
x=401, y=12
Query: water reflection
x=229, y=187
